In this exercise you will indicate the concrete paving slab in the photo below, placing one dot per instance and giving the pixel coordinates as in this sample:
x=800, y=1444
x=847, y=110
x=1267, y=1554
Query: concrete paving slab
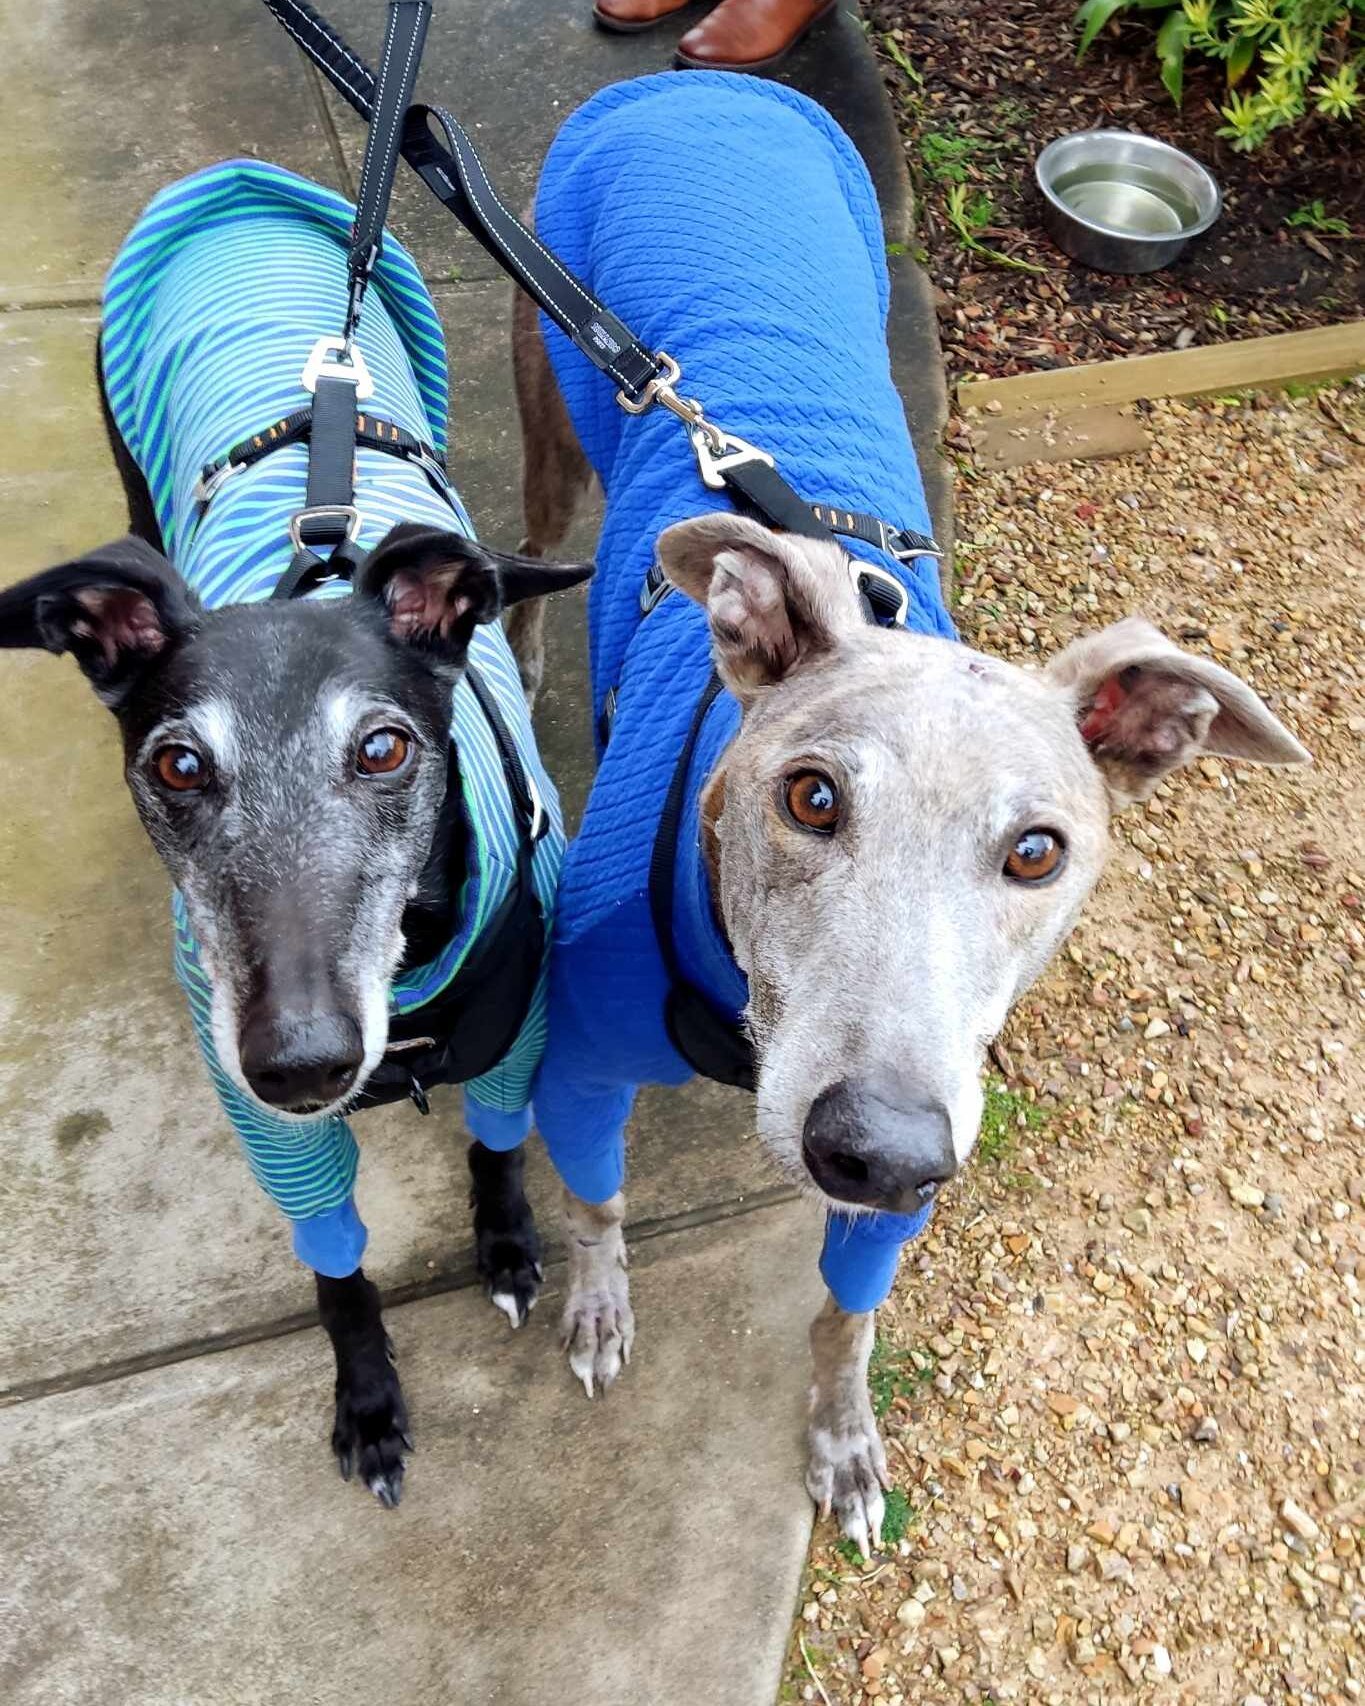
x=181, y=1538
x=106, y=104
x=122, y=1179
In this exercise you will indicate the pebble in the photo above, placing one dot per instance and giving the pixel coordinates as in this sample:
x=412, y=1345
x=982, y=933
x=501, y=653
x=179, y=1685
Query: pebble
x=1296, y=1518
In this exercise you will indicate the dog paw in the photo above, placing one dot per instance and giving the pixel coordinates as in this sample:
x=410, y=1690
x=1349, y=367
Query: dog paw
x=597, y=1331
x=509, y=1265
x=846, y=1474
x=370, y=1435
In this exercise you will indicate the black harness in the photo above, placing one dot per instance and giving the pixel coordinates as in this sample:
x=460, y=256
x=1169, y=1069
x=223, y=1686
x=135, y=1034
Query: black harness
x=467, y=1029
x=437, y=147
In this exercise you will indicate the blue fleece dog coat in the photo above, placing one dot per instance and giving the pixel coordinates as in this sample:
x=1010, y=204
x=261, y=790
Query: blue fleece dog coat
x=730, y=222
x=210, y=311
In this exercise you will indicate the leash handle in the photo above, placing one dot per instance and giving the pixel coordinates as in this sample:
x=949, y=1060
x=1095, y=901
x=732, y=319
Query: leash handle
x=405, y=33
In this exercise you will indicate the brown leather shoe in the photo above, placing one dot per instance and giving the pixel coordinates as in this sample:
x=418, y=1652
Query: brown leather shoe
x=749, y=35
x=625, y=17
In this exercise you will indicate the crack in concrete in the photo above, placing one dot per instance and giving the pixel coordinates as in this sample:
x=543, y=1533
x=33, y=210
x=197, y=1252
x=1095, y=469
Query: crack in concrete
x=459, y=1278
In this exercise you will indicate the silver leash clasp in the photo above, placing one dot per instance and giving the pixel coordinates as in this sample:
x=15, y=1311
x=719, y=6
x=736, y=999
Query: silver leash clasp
x=716, y=451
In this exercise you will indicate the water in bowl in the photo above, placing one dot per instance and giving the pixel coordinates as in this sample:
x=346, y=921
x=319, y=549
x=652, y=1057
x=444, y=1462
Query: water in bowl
x=1130, y=198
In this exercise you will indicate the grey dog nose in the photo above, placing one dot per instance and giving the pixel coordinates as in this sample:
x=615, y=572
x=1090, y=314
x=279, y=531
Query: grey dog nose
x=296, y=1061
x=873, y=1142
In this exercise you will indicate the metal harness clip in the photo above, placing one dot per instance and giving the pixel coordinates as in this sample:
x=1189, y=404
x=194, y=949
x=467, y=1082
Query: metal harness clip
x=324, y=512
x=718, y=451
x=331, y=359
x=207, y=485
x=883, y=592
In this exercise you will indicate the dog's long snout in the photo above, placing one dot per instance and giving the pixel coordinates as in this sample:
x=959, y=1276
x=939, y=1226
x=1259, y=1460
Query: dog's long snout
x=297, y=1061
x=876, y=1144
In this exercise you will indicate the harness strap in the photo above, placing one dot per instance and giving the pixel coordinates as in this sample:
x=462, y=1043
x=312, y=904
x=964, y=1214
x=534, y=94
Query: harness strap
x=371, y=431
x=330, y=499
x=708, y=1042
x=532, y=819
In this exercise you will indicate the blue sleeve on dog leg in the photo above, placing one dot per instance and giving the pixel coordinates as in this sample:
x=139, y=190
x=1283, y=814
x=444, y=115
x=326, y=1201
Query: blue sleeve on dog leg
x=493, y=1128
x=585, y=1133
x=333, y=1242
x=861, y=1252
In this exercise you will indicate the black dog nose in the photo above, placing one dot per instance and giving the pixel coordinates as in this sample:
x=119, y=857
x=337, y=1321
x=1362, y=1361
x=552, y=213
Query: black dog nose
x=297, y=1061
x=874, y=1143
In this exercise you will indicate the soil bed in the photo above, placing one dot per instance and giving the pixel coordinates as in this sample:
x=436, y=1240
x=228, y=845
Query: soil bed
x=987, y=86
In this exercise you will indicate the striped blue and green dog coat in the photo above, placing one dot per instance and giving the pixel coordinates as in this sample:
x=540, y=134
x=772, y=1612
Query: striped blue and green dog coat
x=211, y=309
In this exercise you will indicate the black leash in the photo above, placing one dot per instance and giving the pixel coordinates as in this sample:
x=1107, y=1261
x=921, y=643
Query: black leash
x=336, y=373
x=450, y=167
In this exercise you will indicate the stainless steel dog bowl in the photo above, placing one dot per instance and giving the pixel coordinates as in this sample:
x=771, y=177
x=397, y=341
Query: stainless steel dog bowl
x=1121, y=202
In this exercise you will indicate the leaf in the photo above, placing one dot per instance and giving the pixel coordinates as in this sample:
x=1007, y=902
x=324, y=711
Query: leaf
x=1092, y=17
x=1171, y=41
x=1240, y=58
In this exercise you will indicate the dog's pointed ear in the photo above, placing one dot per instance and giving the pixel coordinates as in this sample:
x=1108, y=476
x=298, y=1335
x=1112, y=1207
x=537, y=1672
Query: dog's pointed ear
x=774, y=600
x=1144, y=708
x=437, y=587
x=115, y=611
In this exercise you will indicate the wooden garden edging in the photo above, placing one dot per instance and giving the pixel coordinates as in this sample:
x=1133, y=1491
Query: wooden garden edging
x=1076, y=411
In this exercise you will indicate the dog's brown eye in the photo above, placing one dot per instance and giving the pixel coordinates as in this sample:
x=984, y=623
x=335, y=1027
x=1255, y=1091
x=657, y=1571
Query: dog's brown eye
x=1035, y=856
x=813, y=801
x=383, y=752
x=180, y=768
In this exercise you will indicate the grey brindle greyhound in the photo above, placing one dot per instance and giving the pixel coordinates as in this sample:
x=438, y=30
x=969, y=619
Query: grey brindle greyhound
x=896, y=953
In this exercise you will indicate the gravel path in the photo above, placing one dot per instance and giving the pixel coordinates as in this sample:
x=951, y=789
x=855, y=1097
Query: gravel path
x=1123, y=1374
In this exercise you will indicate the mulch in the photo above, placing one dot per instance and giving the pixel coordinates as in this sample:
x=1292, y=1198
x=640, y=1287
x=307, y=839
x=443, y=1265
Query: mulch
x=991, y=81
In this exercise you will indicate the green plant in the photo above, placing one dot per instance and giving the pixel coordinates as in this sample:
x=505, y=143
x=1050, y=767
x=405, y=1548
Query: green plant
x=893, y=1373
x=947, y=156
x=1315, y=217
x=903, y=60
x=1307, y=54
x=1004, y=1114
x=901, y=1516
x=970, y=218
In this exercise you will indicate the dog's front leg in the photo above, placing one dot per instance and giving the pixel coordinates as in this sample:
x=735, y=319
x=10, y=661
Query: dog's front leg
x=847, y=1468
x=506, y=1244
x=370, y=1434
x=598, y=1327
